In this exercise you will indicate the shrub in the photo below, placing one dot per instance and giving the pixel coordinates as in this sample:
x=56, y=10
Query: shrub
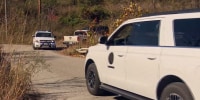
x=95, y=12
x=15, y=80
x=132, y=11
x=70, y=20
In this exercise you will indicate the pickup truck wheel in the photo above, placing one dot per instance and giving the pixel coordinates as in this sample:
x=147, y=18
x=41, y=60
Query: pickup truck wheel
x=92, y=81
x=176, y=91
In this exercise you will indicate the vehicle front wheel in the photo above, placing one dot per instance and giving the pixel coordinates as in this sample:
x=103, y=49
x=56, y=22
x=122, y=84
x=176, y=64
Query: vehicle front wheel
x=176, y=91
x=92, y=81
x=34, y=48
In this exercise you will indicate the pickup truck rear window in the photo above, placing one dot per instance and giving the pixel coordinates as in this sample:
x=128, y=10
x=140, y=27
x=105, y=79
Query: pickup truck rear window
x=80, y=33
x=187, y=32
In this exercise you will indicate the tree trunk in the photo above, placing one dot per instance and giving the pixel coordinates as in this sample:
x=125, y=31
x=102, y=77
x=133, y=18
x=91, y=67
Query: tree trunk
x=154, y=4
x=197, y=3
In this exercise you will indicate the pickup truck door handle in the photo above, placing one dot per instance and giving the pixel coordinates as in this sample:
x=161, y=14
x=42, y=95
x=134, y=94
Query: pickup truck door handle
x=151, y=58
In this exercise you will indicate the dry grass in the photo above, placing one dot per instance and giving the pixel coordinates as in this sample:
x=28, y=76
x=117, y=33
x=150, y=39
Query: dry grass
x=71, y=50
x=16, y=71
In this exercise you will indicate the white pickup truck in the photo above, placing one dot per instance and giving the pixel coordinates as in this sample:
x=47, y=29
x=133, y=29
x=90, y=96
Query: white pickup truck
x=153, y=57
x=43, y=39
x=79, y=35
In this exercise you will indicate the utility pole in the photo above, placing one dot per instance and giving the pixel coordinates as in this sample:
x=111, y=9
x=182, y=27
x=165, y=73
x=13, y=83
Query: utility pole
x=6, y=20
x=39, y=12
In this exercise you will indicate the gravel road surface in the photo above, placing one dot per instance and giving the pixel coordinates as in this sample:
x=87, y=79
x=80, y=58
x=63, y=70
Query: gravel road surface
x=64, y=81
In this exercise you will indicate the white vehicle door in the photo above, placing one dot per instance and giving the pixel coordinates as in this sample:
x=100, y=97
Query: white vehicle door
x=143, y=57
x=116, y=55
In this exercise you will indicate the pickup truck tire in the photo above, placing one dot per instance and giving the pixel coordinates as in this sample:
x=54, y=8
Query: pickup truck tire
x=176, y=91
x=92, y=81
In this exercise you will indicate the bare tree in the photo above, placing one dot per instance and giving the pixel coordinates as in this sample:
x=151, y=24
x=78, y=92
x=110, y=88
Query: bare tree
x=154, y=4
x=6, y=20
x=197, y=3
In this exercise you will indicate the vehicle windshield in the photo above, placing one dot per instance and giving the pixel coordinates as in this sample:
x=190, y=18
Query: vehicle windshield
x=43, y=35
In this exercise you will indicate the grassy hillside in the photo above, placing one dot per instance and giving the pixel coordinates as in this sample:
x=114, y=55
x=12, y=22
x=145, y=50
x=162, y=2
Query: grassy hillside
x=62, y=17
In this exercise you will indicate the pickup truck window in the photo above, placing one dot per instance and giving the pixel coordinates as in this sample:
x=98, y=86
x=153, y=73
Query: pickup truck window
x=80, y=33
x=187, y=32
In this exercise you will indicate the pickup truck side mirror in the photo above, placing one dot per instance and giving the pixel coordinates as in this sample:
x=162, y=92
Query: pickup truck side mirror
x=103, y=39
x=54, y=36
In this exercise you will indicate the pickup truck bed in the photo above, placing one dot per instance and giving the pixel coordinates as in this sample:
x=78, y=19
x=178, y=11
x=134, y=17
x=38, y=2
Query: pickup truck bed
x=69, y=40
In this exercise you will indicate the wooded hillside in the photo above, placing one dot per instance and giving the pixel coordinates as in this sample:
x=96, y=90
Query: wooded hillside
x=19, y=19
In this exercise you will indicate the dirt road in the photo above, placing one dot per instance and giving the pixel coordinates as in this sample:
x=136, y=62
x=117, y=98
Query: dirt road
x=64, y=81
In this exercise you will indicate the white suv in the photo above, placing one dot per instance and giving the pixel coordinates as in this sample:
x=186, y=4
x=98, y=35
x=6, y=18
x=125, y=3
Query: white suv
x=42, y=39
x=152, y=57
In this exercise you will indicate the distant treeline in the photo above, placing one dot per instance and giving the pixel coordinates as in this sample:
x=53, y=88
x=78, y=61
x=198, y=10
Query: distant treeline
x=62, y=17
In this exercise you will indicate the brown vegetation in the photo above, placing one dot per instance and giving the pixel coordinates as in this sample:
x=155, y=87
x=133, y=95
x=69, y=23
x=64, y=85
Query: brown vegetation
x=62, y=17
x=16, y=70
